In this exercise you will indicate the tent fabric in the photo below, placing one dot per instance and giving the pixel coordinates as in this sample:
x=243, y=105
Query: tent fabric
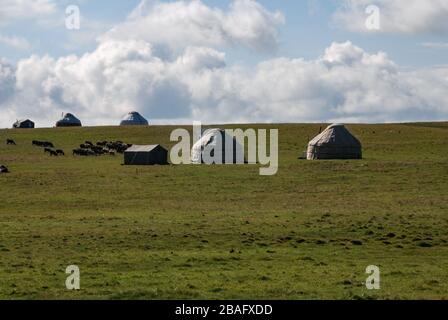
x=146, y=155
x=209, y=144
x=69, y=120
x=134, y=119
x=335, y=142
x=24, y=124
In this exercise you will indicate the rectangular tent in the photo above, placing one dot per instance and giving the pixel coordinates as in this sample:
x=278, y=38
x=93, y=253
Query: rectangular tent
x=146, y=155
x=24, y=124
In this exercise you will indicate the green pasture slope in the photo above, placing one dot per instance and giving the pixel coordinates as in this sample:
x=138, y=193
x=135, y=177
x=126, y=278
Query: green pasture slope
x=225, y=232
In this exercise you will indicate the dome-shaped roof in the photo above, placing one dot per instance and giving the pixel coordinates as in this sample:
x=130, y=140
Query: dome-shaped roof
x=336, y=135
x=209, y=141
x=134, y=119
x=68, y=120
x=335, y=142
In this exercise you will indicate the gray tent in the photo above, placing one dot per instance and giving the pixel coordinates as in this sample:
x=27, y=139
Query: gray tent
x=134, y=119
x=69, y=120
x=209, y=143
x=24, y=124
x=335, y=142
x=146, y=155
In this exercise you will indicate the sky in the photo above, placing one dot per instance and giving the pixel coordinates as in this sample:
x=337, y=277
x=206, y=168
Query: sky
x=241, y=61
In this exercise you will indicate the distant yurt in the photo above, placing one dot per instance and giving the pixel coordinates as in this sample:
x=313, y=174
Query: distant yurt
x=134, y=119
x=213, y=143
x=335, y=142
x=23, y=124
x=69, y=120
x=146, y=155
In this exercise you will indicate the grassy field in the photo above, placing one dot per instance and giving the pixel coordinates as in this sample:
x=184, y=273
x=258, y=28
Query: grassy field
x=225, y=232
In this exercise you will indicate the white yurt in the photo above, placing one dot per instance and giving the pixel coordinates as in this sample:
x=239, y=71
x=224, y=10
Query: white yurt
x=335, y=142
x=213, y=146
x=68, y=120
x=134, y=119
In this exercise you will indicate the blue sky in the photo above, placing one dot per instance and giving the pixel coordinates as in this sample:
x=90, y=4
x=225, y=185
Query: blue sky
x=215, y=61
x=307, y=31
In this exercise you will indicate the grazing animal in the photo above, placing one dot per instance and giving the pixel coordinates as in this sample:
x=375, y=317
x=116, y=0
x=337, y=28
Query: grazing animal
x=47, y=150
x=101, y=148
x=83, y=152
x=53, y=153
x=96, y=149
x=10, y=142
x=79, y=152
x=44, y=144
x=3, y=169
x=60, y=152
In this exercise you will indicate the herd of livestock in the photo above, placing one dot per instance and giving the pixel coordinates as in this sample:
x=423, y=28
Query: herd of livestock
x=85, y=149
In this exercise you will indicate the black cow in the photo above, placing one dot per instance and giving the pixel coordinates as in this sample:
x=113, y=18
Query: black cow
x=10, y=142
x=3, y=169
x=83, y=152
x=60, y=152
x=44, y=144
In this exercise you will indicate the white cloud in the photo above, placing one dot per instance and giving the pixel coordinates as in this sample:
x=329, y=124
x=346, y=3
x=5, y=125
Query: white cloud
x=192, y=23
x=397, y=16
x=11, y=10
x=129, y=71
x=345, y=83
x=15, y=42
x=117, y=77
x=7, y=82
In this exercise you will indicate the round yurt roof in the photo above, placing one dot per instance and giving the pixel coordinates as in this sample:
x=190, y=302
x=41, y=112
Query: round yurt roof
x=69, y=118
x=210, y=139
x=335, y=135
x=134, y=118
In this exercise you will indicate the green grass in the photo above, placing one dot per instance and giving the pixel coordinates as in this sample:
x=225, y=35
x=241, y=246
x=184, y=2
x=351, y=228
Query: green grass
x=225, y=232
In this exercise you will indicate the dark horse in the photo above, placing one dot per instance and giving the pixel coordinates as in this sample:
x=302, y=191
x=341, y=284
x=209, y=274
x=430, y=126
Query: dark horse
x=51, y=152
x=45, y=144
